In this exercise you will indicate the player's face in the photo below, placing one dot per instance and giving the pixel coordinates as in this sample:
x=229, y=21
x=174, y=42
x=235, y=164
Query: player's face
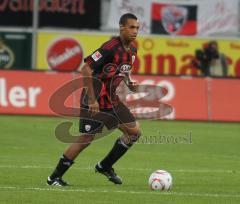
x=129, y=31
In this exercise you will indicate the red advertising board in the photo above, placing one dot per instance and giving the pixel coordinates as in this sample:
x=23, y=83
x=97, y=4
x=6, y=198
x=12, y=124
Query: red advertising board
x=28, y=93
x=225, y=100
x=187, y=96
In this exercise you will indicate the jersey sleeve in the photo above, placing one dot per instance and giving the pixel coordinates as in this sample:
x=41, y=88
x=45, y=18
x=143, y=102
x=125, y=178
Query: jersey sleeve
x=98, y=58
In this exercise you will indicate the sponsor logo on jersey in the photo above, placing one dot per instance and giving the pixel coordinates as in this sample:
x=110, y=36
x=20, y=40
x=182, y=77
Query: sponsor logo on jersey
x=96, y=56
x=125, y=68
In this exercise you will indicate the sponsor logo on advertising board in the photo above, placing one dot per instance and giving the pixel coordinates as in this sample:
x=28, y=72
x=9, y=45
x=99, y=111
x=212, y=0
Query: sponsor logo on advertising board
x=6, y=56
x=65, y=54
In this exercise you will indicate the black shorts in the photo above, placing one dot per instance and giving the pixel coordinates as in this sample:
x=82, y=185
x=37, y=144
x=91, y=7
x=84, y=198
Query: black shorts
x=110, y=118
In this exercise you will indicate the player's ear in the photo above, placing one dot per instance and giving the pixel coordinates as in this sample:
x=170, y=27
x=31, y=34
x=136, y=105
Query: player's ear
x=121, y=26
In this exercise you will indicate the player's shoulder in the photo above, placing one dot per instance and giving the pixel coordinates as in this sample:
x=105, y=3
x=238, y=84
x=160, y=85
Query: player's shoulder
x=111, y=44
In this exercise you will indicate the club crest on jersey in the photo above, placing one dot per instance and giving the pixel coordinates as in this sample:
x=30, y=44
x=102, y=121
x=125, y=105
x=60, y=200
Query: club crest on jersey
x=96, y=56
x=109, y=70
x=133, y=59
x=125, y=68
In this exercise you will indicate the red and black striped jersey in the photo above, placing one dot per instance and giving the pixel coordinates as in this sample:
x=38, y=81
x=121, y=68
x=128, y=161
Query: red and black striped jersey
x=111, y=63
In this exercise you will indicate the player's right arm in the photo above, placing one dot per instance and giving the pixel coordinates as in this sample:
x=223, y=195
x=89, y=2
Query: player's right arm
x=87, y=80
x=94, y=64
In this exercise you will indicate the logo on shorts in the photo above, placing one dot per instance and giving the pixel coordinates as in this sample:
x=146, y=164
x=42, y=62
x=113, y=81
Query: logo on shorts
x=87, y=127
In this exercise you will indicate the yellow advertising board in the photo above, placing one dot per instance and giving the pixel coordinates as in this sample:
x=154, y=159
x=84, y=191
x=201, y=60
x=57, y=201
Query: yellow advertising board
x=60, y=51
x=156, y=54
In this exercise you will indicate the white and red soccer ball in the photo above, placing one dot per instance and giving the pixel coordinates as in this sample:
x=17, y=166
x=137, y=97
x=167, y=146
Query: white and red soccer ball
x=160, y=180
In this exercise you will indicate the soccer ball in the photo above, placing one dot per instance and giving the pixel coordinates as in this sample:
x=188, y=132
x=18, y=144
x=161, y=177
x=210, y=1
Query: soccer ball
x=160, y=180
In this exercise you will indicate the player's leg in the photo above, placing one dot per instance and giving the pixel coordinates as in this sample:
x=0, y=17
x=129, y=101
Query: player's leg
x=67, y=159
x=131, y=132
x=88, y=129
x=78, y=146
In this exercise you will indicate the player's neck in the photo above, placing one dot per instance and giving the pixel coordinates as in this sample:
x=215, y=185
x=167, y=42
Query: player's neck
x=126, y=44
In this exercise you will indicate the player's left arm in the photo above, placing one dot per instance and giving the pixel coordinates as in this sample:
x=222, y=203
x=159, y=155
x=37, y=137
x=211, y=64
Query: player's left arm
x=132, y=85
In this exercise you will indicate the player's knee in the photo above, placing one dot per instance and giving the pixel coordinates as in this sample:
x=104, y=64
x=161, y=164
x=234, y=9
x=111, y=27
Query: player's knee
x=135, y=137
x=131, y=135
x=135, y=133
x=133, y=130
x=85, y=139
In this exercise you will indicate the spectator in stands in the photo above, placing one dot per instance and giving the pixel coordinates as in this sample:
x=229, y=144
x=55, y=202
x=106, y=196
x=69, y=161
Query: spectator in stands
x=210, y=61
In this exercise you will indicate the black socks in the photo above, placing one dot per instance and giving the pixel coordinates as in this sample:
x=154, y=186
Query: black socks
x=118, y=150
x=62, y=166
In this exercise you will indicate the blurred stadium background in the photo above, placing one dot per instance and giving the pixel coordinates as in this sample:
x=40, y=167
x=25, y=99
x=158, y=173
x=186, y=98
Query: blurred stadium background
x=42, y=46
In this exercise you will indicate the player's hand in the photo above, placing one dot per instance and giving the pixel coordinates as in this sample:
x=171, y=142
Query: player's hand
x=93, y=107
x=133, y=86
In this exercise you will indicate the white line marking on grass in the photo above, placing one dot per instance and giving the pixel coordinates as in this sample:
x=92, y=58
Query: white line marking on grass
x=125, y=169
x=56, y=189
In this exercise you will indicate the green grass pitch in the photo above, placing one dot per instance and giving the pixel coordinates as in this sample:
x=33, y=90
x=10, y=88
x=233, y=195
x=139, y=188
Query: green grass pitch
x=205, y=171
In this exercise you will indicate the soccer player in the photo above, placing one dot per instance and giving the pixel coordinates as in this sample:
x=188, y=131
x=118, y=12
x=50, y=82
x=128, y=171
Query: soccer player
x=103, y=71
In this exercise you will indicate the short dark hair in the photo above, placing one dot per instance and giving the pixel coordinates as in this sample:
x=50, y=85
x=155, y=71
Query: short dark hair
x=123, y=19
